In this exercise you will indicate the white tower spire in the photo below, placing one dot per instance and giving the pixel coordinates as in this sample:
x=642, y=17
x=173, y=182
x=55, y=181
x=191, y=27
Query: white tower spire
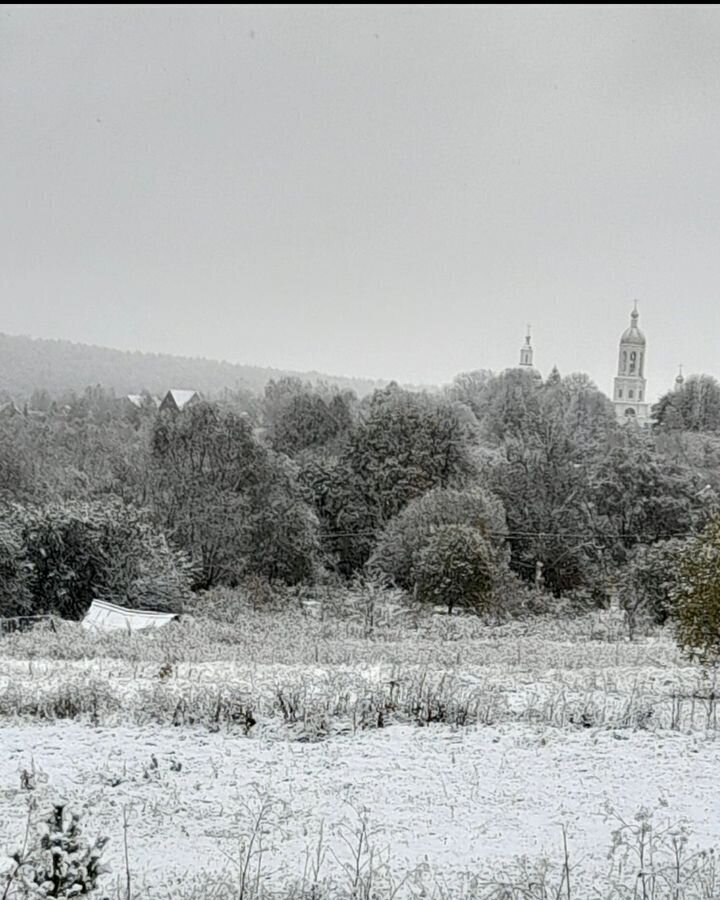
x=526, y=351
x=630, y=394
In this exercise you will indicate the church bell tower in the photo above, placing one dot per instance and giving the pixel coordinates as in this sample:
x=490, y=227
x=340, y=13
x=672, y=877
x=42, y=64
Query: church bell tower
x=630, y=394
x=526, y=352
x=526, y=359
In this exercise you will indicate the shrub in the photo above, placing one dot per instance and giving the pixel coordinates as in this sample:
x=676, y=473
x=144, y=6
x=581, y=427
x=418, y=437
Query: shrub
x=71, y=553
x=62, y=863
x=513, y=598
x=697, y=596
x=648, y=584
x=15, y=596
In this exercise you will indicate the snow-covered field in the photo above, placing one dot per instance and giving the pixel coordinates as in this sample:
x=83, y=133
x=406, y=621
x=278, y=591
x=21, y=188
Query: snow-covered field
x=578, y=736
x=447, y=802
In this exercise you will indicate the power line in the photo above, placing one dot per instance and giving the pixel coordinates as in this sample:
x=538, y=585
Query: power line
x=581, y=536
x=590, y=535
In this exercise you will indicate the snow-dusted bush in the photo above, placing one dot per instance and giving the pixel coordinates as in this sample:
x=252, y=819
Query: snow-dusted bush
x=456, y=567
x=60, y=863
x=648, y=584
x=404, y=538
x=67, y=554
x=697, y=596
x=15, y=597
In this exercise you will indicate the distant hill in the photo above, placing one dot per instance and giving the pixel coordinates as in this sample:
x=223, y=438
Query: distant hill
x=27, y=364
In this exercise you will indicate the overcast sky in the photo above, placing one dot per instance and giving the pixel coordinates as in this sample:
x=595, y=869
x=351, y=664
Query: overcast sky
x=383, y=191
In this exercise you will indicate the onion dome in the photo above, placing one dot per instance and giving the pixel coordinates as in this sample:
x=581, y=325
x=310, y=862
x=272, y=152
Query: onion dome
x=633, y=335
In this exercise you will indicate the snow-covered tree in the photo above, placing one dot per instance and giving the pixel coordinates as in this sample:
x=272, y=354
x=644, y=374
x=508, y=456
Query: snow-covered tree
x=456, y=568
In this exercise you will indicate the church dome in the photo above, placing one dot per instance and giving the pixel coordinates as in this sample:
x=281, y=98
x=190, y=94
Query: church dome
x=633, y=335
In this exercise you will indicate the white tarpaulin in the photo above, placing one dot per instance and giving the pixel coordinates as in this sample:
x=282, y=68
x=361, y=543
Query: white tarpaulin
x=107, y=617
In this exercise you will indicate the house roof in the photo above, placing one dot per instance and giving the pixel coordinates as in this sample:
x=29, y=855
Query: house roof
x=182, y=397
x=140, y=400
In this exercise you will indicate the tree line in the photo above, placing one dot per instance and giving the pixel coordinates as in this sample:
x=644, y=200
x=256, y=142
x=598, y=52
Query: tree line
x=498, y=486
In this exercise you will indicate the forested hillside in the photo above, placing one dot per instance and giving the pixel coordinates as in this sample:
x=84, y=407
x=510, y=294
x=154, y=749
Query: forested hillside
x=32, y=364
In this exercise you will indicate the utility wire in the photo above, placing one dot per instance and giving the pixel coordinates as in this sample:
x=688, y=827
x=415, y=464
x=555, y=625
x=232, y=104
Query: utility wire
x=588, y=536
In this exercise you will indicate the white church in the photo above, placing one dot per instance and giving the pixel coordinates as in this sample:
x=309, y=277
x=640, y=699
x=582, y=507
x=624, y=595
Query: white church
x=630, y=391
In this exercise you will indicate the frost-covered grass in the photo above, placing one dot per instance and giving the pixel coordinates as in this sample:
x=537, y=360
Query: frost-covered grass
x=533, y=734
x=294, y=675
x=314, y=701
x=294, y=637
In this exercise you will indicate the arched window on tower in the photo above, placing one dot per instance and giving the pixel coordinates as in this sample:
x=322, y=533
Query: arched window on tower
x=624, y=362
x=642, y=360
x=631, y=393
x=633, y=362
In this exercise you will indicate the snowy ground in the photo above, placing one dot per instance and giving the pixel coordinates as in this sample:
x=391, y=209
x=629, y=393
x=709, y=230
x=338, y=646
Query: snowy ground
x=450, y=801
x=572, y=728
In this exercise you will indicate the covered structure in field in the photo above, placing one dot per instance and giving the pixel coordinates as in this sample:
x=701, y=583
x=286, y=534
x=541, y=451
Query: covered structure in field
x=104, y=616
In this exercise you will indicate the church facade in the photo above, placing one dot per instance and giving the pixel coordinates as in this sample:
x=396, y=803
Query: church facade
x=630, y=390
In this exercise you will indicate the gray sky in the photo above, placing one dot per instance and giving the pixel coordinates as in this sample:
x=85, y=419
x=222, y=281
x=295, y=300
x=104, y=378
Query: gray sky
x=391, y=192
